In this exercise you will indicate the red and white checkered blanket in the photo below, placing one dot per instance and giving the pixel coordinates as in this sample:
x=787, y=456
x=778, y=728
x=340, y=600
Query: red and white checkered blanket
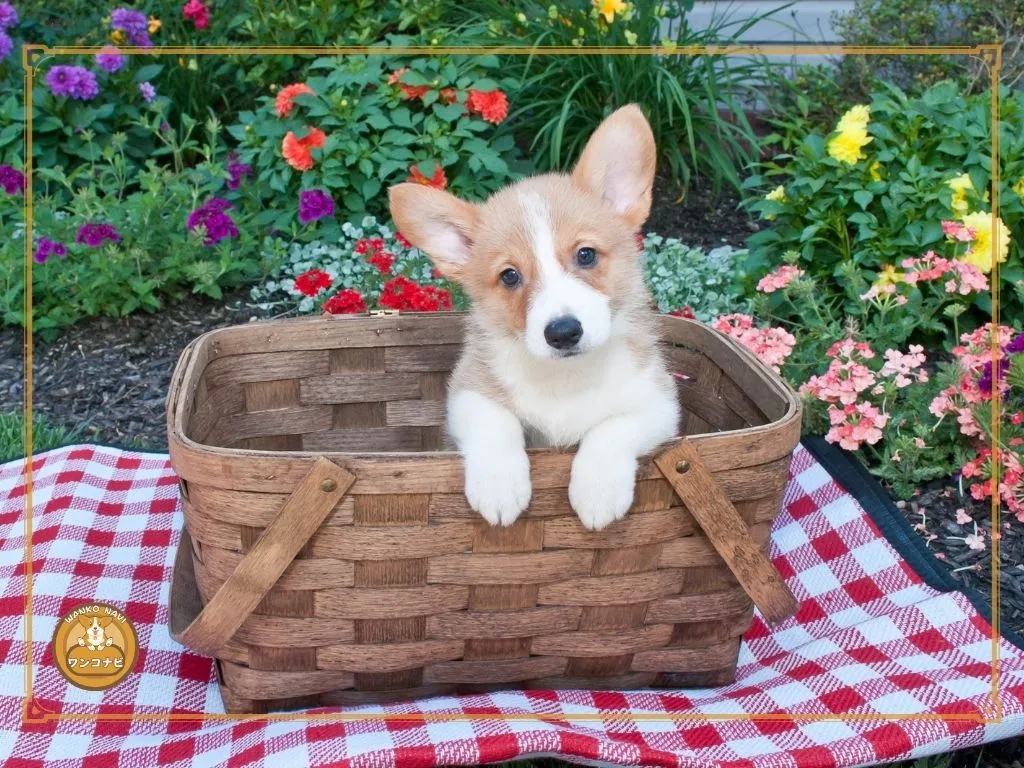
x=871, y=640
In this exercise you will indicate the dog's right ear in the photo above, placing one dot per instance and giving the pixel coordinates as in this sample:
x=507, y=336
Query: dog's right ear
x=437, y=223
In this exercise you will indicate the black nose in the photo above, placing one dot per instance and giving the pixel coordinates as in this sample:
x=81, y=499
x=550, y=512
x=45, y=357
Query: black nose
x=563, y=332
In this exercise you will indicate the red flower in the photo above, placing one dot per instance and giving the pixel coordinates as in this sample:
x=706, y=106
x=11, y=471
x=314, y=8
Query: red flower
x=408, y=91
x=684, y=312
x=382, y=261
x=447, y=96
x=402, y=240
x=492, y=106
x=312, y=282
x=369, y=245
x=437, y=181
x=346, y=302
x=197, y=12
x=640, y=241
x=403, y=294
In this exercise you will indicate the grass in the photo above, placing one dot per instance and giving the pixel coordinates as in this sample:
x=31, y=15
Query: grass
x=45, y=436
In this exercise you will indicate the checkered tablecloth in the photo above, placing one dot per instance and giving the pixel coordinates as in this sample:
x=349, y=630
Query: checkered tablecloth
x=870, y=638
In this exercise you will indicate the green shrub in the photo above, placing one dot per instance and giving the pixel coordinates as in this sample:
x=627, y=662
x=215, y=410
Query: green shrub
x=850, y=223
x=378, y=128
x=930, y=23
x=681, y=276
x=695, y=103
x=153, y=255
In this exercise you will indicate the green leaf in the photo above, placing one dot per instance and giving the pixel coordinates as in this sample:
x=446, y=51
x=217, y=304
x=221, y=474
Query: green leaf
x=148, y=72
x=863, y=198
x=449, y=112
x=370, y=189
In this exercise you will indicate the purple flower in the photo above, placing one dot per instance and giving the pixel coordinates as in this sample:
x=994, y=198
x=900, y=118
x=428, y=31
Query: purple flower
x=1016, y=346
x=314, y=204
x=148, y=93
x=133, y=24
x=110, y=60
x=165, y=128
x=237, y=171
x=76, y=82
x=985, y=382
x=8, y=16
x=48, y=248
x=94, y=235
x=214, y=221
x=12, y=180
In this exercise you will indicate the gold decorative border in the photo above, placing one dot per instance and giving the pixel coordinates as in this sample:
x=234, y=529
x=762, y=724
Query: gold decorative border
x=33, y=55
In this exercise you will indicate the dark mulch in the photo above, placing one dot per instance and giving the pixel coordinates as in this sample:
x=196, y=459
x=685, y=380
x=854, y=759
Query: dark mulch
x=700, y=218
x=933, y=514
x=111, y=374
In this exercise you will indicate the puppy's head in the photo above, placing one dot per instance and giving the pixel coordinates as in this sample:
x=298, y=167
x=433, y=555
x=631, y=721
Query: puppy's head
x=551, y=260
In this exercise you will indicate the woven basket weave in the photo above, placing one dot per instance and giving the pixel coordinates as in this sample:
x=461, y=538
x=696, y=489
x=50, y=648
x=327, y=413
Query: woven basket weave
x=330, y=556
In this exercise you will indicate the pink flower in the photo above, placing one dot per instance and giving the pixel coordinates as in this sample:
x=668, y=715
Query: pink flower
x=771, y=345
x=779, y=279
x=975, y=541
x=919, y=442
x=962, y=518
x=957, y=231
x=905, y=367
x=853, y=425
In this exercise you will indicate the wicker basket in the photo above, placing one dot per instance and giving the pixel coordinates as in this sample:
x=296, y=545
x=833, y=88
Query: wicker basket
x=330, y=556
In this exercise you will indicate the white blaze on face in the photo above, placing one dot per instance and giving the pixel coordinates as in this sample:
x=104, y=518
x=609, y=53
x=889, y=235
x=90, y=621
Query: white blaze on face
x=558, y=293
x=95, y=634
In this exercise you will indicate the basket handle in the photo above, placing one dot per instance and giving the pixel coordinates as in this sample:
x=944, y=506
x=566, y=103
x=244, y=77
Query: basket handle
x=689, y=476
x=300, y=517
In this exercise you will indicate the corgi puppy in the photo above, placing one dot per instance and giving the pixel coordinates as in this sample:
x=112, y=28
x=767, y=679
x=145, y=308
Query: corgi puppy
x=561, y=347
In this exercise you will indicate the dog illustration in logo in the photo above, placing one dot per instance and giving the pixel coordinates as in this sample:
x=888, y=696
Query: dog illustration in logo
x=96, y=652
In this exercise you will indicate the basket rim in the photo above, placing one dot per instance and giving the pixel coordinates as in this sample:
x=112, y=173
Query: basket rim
x=186, y=370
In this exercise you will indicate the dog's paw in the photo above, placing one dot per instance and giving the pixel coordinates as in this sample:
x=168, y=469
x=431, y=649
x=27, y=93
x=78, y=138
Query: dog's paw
x=498, y=485
x=601, y=487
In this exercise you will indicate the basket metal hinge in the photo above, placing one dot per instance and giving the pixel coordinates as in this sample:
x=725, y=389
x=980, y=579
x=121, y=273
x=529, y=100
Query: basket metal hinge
x=383, y=313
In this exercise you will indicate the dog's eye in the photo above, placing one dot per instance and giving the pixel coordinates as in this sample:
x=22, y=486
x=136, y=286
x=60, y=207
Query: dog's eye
x=586, y=257
x=510, y=278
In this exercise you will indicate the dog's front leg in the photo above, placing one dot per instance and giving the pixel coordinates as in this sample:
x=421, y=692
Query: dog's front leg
x=603, y=479
x=490, y=439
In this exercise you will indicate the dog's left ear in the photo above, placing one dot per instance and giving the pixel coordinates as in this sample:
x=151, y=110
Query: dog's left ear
x=618, y=164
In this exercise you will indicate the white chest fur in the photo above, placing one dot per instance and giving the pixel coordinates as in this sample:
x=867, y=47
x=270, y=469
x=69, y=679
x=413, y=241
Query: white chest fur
x=559, y=401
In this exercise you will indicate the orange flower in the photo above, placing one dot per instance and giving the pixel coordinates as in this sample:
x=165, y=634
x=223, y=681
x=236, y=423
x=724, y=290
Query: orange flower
x=284, y=98
x=298, y=152
x=437, y=181
x=408, y=91
x=491, y=106
x=447, y=96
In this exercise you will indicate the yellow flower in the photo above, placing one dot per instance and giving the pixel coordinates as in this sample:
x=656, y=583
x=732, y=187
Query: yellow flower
x=875, y=171
x=960, y=185
x=852, y=136
x=777, y=195
x=118, y=36
x=987, y=247
x=1019, y=187
x=608, y=8
x=631, y=39
x=889, y=276
x=669, y=45
x=856, y=117
x=154, y=25
x=552, y=12
x=847, y=147
x=521, y=18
